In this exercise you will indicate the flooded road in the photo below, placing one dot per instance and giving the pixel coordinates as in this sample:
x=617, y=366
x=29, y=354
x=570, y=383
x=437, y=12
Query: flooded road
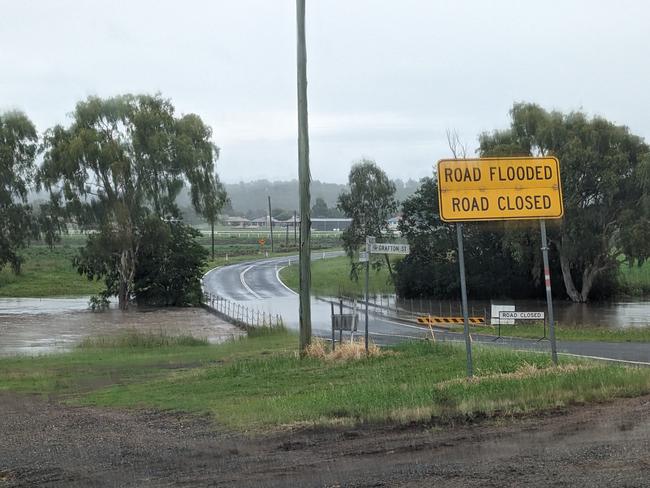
x=35, y=326
x=614, y=314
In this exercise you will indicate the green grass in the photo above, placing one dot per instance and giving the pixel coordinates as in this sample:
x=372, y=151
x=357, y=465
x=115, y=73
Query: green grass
x=47, y=273
x=260, y=382
x=332, y=278
x=564, y=333
x=636, y=279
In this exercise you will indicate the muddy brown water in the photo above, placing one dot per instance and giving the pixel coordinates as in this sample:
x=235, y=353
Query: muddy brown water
x=614, y=314
x=39, y=326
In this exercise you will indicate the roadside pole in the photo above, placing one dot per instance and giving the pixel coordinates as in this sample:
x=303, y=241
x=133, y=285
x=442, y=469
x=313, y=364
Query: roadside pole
x=303, y=182
x=369, y=241
x=367, y=296
x=463, y=292
x=549, y=296
x=271, y=223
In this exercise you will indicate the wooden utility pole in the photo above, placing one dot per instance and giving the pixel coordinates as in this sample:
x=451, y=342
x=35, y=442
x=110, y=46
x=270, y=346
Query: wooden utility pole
x=271, y=223
x=303, y=182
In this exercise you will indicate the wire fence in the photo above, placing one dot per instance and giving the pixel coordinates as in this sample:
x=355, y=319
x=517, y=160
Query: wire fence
x=390, y=306
x=240, y=315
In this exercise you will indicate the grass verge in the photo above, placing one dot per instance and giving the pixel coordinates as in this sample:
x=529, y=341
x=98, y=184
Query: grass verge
x=47, y=273
x=332, y=278
x=260, y=382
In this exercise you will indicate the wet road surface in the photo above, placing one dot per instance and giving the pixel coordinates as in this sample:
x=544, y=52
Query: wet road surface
x=257, y=283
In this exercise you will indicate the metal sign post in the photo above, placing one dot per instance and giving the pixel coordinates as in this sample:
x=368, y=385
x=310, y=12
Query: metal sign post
x=506, y=188
x=369, y=241
x=549, y=296
x=463, y=292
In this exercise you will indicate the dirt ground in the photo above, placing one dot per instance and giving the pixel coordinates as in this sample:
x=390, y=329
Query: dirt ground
x=43, y=443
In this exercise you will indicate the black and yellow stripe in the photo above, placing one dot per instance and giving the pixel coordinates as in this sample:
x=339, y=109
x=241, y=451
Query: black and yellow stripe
x=434, y=320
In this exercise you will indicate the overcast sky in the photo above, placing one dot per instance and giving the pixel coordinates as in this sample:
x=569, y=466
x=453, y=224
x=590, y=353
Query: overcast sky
x=386, y=77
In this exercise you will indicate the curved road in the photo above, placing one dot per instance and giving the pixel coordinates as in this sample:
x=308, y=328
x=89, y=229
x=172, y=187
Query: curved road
x=256, y=284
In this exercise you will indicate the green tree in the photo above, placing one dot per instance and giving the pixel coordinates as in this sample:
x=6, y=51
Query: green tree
x=52, y=220
x=319, y=209
x=120, y=160
x=605, y=173
x=18, y=148
x=496, y=266
x=369, y=203
x=208, y=198
x=170, y=265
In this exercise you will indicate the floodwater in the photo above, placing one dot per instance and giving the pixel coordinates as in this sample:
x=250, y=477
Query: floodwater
x=36, y=326
x=615, y=314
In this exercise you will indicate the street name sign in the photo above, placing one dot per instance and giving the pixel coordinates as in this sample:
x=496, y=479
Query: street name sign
x=363, y=257
x=385, y=248
x=499, y=189
x=521, y=315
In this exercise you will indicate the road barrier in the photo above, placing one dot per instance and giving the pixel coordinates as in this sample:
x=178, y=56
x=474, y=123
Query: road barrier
x=413, y=309
x=240, y=315
x=432, y=320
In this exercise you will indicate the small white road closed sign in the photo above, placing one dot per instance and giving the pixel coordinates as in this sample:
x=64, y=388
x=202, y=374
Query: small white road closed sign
x=385, y=248
x=521, y=315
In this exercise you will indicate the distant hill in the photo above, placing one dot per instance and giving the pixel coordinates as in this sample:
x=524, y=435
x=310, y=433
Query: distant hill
x=251, y=197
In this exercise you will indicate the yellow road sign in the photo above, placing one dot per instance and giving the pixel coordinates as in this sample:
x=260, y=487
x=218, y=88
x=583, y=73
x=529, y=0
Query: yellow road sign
x=499, y=189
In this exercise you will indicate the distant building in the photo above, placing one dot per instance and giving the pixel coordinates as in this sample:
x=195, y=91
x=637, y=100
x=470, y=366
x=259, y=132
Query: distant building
x=334, y=224
x=264, y=222
x=236, y=221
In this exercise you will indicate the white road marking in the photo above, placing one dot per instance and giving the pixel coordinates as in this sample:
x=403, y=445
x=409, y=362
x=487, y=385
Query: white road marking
x=626, y=361
x=245, y=285
x=277, y=277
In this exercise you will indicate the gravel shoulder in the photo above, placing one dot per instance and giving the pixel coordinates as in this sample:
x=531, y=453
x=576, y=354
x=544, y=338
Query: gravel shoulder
x=45, y=443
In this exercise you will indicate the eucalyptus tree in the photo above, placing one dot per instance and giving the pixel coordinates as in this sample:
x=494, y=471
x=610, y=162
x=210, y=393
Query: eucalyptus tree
x=18, y=148
x=121, y=160
x=605, y=173
x=208, y=198
x=370, y=202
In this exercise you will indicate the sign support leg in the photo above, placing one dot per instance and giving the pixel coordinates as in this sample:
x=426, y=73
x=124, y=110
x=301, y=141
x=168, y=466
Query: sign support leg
x=341, y=329
x=549, y=297
x=463, y=291
x=333, y=333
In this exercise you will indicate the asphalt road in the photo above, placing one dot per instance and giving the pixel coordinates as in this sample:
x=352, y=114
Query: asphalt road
x=256, y=284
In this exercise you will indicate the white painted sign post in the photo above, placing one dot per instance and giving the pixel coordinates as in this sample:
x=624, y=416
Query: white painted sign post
x=374, y=247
